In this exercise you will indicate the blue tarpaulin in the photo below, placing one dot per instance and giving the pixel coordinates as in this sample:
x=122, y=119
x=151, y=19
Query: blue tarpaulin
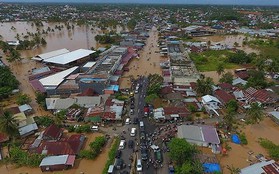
x=211, y=167
x=235, y=139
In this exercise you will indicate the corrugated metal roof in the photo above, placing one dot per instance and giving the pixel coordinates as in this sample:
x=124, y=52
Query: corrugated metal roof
x=48, y=55
x=54, y=160
x=260, y=168
x=69, y=57
x=56, y=79
x=190, y=132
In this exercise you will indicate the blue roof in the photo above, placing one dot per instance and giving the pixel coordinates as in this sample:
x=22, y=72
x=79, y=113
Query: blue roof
x=113, y=87
x=211, y=167
x=235, y=139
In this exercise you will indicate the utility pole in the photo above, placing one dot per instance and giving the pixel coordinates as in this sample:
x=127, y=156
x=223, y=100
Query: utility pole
x=87, y=36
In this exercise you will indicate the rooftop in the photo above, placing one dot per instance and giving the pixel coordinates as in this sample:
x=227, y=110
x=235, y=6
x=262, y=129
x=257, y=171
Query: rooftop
x=48, y=55
x=66, y=58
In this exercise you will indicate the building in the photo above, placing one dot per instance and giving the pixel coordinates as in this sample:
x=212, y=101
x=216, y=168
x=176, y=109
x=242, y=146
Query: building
x=56, y=163
x=211, y=101
x=45, y=56
x=52, y=133
x=264, y=167
x=274, y=116
x=69, y=59
x=223, y=96
x=205, y=136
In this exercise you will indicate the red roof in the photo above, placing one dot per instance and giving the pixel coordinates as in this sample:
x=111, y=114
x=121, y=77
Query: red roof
x=69, y=146
x=109, y=102
x=13, y=110
x=262, y=96
x=271, y=168
x=166, y=90
x=182, y=111
x=223, y=96
x=193, y=85
x=71, y=160
x=53, y=131
x=242, y=74
x=87, y=92
x=109, y=116
x=225, y=86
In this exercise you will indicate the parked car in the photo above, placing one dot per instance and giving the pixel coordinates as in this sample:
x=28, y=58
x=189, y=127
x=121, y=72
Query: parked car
x=136, y=120
x=144, y=154
x=171, y=169
x=131, y=144
x=119, y=164
x=118, y=154
x=139, y=165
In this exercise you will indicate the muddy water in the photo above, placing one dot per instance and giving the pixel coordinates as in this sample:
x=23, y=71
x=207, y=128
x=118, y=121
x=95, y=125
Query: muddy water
x=71, y=39
x=147, y=63
x=214, y=75
x=228, y=40
x=86, y=166
x=238, y=156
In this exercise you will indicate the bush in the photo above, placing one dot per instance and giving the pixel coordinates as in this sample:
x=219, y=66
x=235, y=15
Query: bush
x=243, y=139
x=95, y=148
x=272, y=148
x=44, y=120
x=87, y=154
x=111, y=155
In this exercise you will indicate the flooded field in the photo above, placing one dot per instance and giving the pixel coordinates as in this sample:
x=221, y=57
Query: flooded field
x=86, y=166
x=238, y=156
x=71, y=39
x=214, y=75
x=228, y=40
x=147, y=63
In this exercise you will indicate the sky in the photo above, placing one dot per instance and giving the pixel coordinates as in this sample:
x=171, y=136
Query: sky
x=236, y=2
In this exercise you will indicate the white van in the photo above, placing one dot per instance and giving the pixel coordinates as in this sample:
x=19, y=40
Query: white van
x=110, y=169
x=95, y=128
x=141, y=124
x=139, y=166
x=128, y=121
x=122, y=144
x=133, y=132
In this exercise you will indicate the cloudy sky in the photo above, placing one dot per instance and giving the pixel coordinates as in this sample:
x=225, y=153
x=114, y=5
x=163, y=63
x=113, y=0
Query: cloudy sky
x=240, y=2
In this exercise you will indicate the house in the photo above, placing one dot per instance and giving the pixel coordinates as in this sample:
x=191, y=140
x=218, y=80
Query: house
x=52, y=133
x=113, y=109
x=159, y=114
x=264, y=167
x=225, y=86
x=211, y=101
x=262, y=96
x=56, y=163
x=67, y=146
x=202, y=135
x=239, y=81
x=176, y=112
x=223, y=96
x=274, y=116
x=26, y=109
x=239, y=95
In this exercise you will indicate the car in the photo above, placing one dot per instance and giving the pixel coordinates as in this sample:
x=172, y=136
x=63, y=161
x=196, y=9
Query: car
x=142, y=135
x=144, y=154
x=139, y=165
x=158, y=156
x=131, y=144
x=131, y=111
x=132, y=106
x=119, y=164
x=171, y=169
x=118, y=154
x=136, y=120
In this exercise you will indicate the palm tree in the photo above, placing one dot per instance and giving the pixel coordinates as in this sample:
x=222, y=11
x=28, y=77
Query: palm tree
x=233, y=170
x=229, y=119
x=255, y=113
x=220, y=69
x=204, y=86
x=8, y=124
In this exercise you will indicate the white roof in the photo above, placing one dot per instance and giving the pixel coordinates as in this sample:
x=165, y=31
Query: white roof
x=57, y=103
x=27, y=129
x=256, y=168
x=69, y=57
x=275, y=114
x=25, y=107
x=239, y=81
x=56, y=79
x=89, y=64
x=209, y=98
x=54, y=160
x=48, y=55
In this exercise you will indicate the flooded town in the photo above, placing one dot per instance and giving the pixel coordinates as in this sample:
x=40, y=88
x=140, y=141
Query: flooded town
x=140, y=88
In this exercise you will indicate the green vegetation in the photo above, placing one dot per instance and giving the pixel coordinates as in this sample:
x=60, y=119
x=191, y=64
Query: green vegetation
x=23, y=99
x=232, y=106
x=257, y=80
x=155, y=83
x=8, y=82
x=204, y=86
x=8, y=125
x=41, y=99
x=23, y=158
x=226, y=78
x=255, y=114
x=108, y=39
x=111, y=155
x=120, y=96
x=272, y=148
x=44, y=121
x=182, y=153
x=95, y=148
x=209, y=60
x=243, y=138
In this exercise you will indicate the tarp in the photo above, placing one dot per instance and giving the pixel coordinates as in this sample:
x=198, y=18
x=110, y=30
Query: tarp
x=235, y=139
x=211, y=167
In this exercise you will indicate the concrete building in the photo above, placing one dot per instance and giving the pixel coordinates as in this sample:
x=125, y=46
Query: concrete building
x=56, y=163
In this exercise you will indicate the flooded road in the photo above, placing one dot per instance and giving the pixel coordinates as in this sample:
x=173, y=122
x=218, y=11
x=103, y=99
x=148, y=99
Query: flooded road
x=228, y=40
x=72, y=39
x=147, y=63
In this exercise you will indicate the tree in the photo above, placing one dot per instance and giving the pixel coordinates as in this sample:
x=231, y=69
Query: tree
x=233, y=170
x=181, y=151
x=23, y=99
x=226, y=78
x=43, y=41
x=8, y=124
x=232, y=106
x=229, y=119
x=256, y=80
x=204, y=86
x=41, y=99
x=60, y=117
x=255, y=113
x=220, y=68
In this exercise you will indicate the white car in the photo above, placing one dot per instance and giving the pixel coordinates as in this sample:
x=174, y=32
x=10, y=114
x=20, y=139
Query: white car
x=139, y=166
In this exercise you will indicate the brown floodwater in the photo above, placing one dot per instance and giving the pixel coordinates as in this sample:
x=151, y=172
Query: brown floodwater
x=71, y=39
x=147, y=63
x=228, y=40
